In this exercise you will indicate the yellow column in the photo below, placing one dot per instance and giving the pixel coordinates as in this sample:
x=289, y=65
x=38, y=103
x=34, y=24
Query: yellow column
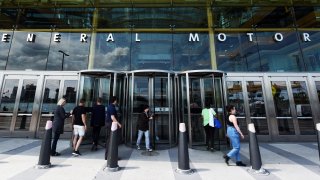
x=211, y=39
x=93, y=39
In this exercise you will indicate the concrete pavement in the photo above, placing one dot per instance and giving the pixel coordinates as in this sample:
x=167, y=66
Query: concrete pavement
x=283, y=160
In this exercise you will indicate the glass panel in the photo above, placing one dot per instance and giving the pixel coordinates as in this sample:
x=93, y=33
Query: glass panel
x=5, y=122
x=257, y=106
x=307, y=16
x=189, y=55
x=88, y=89
x=235, y=97
x=23, y=123
x=50, y=96
x=4, y=46
x=70, y=89
x=112, y=55
x=70, y=54
x=154, y=50
x=151, y=17
x=8, y=18
x=189, y=17
x=114, y=17
x=9, y=93
x=198, y=134
x=311, y=49
x=22, y=53
x=282, y=107
x=74, y=18
x=27, y=96
x=232, y=17
x=280, y=56
x=303, y=108
x=161, y=107
x=105, y=90
x=36, y=18
x=209, y=92
x=272, y=17
x=237, y=53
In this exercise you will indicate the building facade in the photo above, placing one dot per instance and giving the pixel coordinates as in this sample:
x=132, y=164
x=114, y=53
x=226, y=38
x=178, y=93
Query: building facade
x=175, y=55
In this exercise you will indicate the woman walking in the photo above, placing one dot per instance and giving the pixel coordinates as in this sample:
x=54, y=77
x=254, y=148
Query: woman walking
x=234, y=133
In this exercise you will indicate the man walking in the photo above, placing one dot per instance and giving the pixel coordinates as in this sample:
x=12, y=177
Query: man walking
x=79, y=126
x=111, y=117
x=97, y=121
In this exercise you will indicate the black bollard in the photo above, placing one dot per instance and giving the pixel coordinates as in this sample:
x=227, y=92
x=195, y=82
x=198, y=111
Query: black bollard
x=44, y=157
x=255, y=157
x=183, y=152
x=318, y=133
x=112, y=162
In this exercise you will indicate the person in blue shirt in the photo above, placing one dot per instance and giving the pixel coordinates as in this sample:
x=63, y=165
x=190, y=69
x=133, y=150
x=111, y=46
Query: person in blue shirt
x=110, y=117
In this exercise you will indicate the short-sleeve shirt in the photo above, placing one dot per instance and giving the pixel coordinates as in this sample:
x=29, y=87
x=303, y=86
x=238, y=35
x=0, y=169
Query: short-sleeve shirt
x=111, y=110
x=77, y=113
x=206, y=115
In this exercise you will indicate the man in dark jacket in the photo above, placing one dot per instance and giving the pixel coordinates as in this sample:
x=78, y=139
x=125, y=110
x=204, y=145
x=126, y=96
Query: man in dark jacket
x=143, y=127
x=58, y=125
x=98, y=114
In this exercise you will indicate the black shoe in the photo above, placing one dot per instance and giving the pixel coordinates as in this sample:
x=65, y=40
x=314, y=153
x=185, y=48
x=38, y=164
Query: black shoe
x=226, y=159
x=78, y=153
x=55, y=154
x=239, y=163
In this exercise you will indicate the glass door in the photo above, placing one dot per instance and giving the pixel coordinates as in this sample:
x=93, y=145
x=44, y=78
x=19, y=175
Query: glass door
x=56, y=87
x=197, y=90
x=156, y=91
x=17, y=104
x=292, y=106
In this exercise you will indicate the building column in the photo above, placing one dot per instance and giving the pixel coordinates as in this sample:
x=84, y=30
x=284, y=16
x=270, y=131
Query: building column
x=93, y=39
x=211, y=39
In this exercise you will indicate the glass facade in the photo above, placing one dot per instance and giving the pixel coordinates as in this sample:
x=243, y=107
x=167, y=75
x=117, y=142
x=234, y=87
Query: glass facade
x=253, y=36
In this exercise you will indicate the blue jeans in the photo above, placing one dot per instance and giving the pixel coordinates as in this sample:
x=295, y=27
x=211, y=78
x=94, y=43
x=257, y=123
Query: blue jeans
x=235, y=141
x=146, y=134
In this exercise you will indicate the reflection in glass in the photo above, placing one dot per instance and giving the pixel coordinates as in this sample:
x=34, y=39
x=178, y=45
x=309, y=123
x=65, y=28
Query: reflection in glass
x=74, y=17
x=272, y=17
x=29, y=55
x=22, y=123
x=282, y=107
x=189, y=17
x=69, y=54
x=311, y=50
x=5, y=46
x=151, y=17
x=191, y=55
x=237, y=53
x=8, y=95
x=257, y=106
x=36, y=18
x=232, y=17
x=280, y=56
x=8, y=18
x=154, y=50
x=114, y=17
x=303, y=108
x=307, y=16
x=50, y=96
x=27, y=96
x=113, y=55
x=70, y=89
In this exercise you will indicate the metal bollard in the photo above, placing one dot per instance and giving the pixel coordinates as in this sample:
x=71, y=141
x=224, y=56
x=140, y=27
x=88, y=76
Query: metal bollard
x=112, y=162
x=183, y=152
x=255, y=157
x=44, y=157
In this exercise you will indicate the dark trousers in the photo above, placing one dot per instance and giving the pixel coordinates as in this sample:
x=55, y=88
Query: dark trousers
x=56, y=137
x=96, y=134
x=209, y=136
x=108, y=131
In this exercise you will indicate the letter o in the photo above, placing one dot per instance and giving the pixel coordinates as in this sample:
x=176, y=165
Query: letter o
x=222, y=37
x=278, y=37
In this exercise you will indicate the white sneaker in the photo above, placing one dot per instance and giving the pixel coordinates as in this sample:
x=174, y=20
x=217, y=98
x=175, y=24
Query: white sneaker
x=138, y=147
x=150, y=150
